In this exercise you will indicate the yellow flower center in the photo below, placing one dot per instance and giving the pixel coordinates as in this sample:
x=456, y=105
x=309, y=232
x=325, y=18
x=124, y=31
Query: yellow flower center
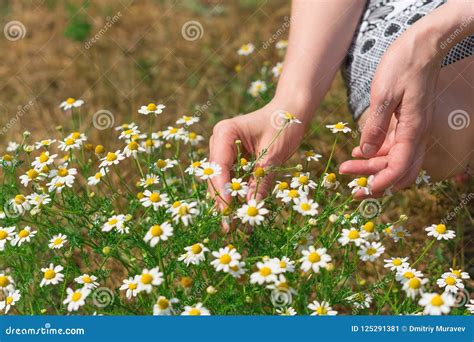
x=314, y=257
x=113, y=222
x=57, y=241
x=243, y=161
x=235, y=186
x=69, y=141
x=32, y=174
x=225, y=259
x=76, y=296
x=146, y=278
x=7, y=157
x=353, y=234
x=132, y=286
x=437, y=300
x=75, y=135
x=396, y=262
x=321, y=310
x=265, y=271
x=183, y=210
x=283, y=186
x=450, y=281
x=369, y=227
x=43, y=158
x=9, y=300
x=362, y=181
x=173, y=130
x=98, y=175
x=49, y=274
x=252, y=211
x=196, y=164
x=414, y=283
x=23, y=233
x=339, y=125
x=192, y=135
x=331, y=178
x=151, y=107
x=441, y=228
x=293, y=193
x=133, y=146
x=87, y=279
x=457, y=273
x=161, y=163
x=282, y=264
x=155, y=197
x=150, y=181
x=303, y=180
x=408, y=275
x=149, y=143
x=163, y=303
x=63, y=172
x=70, y=100
x=309, y=153
x=3, y=235
x=4, y=281
x=19, y=199
x=305, y=206
x=196, y=249
x=371, y=251
x=208, y=171
x=156, y=230
x=111, y=156
x=194, y=312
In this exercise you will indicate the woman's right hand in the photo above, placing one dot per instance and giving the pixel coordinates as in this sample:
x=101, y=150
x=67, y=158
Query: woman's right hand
x=256, y=131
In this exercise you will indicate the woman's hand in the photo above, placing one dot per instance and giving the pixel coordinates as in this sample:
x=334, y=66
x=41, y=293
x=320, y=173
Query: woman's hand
x=255, y=131
x=398, y=124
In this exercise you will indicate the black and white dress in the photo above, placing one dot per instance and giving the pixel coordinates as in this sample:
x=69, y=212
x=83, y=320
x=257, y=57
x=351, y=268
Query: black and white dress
x=382, y=22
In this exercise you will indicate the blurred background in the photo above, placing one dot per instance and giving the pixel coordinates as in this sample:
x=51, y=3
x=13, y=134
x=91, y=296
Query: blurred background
x=120, y=54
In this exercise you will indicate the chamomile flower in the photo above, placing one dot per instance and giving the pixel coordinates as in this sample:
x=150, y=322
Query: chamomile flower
x=173, y=133
x=195, y=310
x=157, y=233
x=164, y=306
x=57, y=241
x=165, y=164
x=277, y=69
x=129, y=134
x=293, y=195
x=450, y=282
x=52, y=275
x=31, y=175
x=280, y=187
x=24, y=235
x=360, y=300
x=191, y=169
x=310, y=155
x=339, y=127
x=287, y=118
x=303, y=182
x=69, y=144
x=370, y=251
x=87, y=280
x=237, y=187
x=362, y=183
x=152, y=108
x=289, y=311
x=6, y=234
x=6, y=160
x=399, y=233
x=208, y=170
x=192, y=138
x=238, y=270
x=133, y=149
x=257, y=87
x=194, y=254
x=368, y=232
x=306, y=207
x=149, y=278
x=154, y=199
x=252, y=212
x=440, y=232
x=44, y=159
x=130, y=285
x=246, y=49
x=70, y=103
x=117, y=222
x=187, y=120
x=321, y=309
x=152, y=143
x=6, y=282
x=97, y=177
x=330, y=181
x=406, y=273
x=184, y=212
x=225, y=258
x=112, y=158
x=12, y=296
x=285, y=264
x=63, y=175
x=459, y=273
x=351, y=236
x=314, y=259
x=282, y=287
x=44, y=143
x=76, y=298
x=414, y=286
x=436, y=304
x=396, y=263
x=38, y=200
x=266, y=273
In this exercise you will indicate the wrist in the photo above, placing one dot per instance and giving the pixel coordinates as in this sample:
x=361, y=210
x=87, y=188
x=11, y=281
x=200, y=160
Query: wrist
x=299, y=102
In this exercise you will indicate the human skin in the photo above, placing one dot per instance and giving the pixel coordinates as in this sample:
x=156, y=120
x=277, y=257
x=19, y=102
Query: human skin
x=408, y=96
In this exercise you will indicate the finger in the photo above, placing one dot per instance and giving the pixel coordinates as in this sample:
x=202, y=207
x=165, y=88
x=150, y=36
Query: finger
x=223, y=152
x=377, y=124
x=364, y=166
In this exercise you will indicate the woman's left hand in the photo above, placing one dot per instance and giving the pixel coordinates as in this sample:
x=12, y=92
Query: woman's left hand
x=395, y=134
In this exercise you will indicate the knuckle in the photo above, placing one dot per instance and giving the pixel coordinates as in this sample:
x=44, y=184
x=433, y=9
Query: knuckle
x=222, y=127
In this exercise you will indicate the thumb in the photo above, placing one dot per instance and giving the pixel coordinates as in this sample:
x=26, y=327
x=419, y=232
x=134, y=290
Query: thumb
x=223, y=152
x=377, y=124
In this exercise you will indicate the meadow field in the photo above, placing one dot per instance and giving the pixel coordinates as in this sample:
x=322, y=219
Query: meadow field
x=106, y=111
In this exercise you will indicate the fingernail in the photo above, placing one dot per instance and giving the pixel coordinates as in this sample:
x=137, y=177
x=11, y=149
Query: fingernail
x=369, y=149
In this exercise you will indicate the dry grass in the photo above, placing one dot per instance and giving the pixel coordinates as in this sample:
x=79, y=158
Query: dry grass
x=144, y=57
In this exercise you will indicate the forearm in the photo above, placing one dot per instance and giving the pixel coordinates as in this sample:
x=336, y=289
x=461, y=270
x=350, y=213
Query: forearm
x=320, y=35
